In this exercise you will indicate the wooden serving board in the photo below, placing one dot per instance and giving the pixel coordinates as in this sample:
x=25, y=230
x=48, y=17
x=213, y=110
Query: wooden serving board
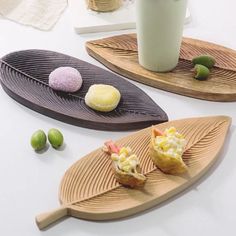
x=24, y=76
x=90, y=191
x=119, y=53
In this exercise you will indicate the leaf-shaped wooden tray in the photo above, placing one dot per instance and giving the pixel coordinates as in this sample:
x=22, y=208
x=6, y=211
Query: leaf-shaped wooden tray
x=89, y=189
x=24, y=76
x=119, y=53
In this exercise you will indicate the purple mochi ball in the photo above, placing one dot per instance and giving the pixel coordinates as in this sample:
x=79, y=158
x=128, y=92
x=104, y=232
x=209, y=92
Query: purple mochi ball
x=66, y=79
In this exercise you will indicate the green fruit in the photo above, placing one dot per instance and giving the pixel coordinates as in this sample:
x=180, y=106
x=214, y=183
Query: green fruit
x=55, y=138
x=38, y=140
x=205, y=60
x=201, y=72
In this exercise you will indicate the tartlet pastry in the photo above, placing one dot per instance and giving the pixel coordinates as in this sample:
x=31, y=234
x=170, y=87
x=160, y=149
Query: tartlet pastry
x=126, y=165
x=166, y=150
x=102, y=97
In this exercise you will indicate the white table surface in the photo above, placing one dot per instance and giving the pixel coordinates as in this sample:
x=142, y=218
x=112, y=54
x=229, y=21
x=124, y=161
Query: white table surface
x=29, y=181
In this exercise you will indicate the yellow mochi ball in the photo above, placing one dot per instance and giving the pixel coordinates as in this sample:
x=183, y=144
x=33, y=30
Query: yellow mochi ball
x=102, y=97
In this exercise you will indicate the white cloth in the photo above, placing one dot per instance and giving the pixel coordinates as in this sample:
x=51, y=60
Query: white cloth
x=41, y=14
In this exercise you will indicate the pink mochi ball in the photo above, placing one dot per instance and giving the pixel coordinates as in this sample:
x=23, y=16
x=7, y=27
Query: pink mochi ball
x=66, y=79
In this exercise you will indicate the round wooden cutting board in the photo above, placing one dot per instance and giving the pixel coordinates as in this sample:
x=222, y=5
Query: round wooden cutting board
x=90, y=191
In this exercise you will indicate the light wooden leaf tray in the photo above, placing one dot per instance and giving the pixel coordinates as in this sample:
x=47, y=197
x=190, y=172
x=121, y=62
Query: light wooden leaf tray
x=120, y=54
x=90, y=191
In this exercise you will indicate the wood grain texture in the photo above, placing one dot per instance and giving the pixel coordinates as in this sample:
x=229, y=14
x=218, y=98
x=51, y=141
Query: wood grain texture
x=90, y=191
x=119, y=53
x=24, y=76
x=103, y=5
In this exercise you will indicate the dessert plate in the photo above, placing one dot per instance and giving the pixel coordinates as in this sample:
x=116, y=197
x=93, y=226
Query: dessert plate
x=24, y=76
x=119, y=53
x=90, y=191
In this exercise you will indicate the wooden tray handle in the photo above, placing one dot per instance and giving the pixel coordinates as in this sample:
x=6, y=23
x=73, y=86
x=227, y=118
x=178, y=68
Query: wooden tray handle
x=45, y=219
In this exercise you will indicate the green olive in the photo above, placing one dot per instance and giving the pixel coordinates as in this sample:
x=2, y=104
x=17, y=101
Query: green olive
x=205, y=60
x=38, y=140
x=55, y=138
x=201, y=72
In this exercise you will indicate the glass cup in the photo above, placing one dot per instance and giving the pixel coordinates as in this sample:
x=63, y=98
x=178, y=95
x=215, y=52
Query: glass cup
x=159, y=32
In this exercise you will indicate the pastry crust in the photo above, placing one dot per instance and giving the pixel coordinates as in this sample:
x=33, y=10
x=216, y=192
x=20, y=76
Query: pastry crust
x=167, y=164
x=131, y=179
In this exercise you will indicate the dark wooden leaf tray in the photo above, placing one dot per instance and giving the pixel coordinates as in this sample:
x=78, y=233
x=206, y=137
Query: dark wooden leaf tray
x=24, y=77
